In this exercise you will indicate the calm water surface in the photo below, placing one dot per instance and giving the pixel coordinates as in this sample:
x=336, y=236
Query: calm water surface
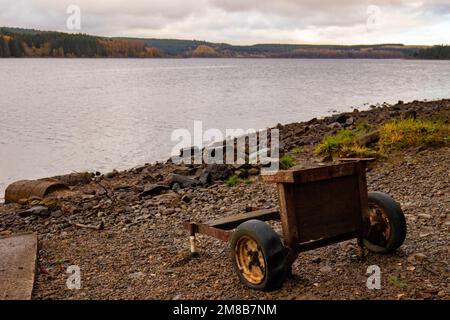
x=61, y=115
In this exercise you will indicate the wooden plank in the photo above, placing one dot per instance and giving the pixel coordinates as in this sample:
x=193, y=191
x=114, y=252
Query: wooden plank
x=233, y=221
x=356, y=159
x=217, y=233
x=311, y=175
x=327, y=208
x=17, y=266
x=288, y=218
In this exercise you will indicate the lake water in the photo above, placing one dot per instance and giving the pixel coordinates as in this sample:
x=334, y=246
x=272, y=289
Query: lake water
x=64, y=115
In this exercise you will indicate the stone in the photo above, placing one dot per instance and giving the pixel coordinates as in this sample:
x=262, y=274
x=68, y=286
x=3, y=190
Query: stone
x=310, y=140
x=369, y=139
x=326, y=269
x=168, y=211
x=57, y=214
x=111, y=174
x=186, y=198
x=39, y=211
x=241, y=173
x=176, y=187
x=335, y=125
x=183, y=170
x=51, y=203
x=183, y=181
x=137, y=275
x=76, y=178
x=417, y=257
x=341, y=119
x=349, y=121
x=218, y=171
x=205, y=178
x=154, y=189
x=170, y=198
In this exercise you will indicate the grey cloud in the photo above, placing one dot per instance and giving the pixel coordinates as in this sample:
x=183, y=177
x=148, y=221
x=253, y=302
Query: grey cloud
x=234, y=21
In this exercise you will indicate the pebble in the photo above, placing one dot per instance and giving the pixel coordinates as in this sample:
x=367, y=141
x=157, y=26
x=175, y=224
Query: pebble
x=186, y=198
x=326, y=269
x=137, y=275
x=316, y=260
x=417, y=257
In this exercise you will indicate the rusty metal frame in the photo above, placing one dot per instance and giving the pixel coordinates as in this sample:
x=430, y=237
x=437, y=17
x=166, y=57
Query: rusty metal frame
x=222, y=228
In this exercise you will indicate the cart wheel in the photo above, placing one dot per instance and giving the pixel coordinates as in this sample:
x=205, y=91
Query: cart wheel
x=387, y=224
x=258, y=255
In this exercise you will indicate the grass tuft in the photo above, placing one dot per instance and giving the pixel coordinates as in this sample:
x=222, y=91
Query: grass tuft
x=287, y=162
x=394, y=135
x=232, y=180
x=334, y=144
x=405, y=133
x=296, y=150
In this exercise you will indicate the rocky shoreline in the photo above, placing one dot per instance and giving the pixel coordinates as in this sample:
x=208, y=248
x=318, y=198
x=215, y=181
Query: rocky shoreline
x=124, y=228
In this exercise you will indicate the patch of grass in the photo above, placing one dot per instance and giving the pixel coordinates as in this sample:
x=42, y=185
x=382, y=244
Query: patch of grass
x=333, y=144
x=248, y=182
x=405, y=133
x=357, y=151
x=363, y=127
x=232, y=180
x=287, y=162
x=396, y=282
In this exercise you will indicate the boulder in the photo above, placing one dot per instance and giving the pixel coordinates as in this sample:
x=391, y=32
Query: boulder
x=369, y=138
x=335, y=125
x=39, y=211
x=183, y=181
x=342, y=118
x=218, y=171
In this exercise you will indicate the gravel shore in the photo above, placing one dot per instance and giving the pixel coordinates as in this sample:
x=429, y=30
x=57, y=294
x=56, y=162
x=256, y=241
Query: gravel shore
x=141, y=249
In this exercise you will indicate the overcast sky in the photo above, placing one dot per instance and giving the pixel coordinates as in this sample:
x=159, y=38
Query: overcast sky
x=245, y=21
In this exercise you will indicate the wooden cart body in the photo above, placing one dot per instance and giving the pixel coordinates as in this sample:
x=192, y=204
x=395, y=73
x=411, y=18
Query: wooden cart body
x=318, y=206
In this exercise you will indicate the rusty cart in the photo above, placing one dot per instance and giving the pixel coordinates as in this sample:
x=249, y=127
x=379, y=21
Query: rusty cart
x=317, y=207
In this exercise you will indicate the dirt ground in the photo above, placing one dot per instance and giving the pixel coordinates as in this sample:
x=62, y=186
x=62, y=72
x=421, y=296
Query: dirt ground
x=142, y=251
x=151, y=262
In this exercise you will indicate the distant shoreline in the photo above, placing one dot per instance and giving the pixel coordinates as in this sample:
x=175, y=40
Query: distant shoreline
x=16, y=42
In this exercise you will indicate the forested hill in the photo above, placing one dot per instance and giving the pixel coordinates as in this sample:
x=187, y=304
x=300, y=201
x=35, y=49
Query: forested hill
x=15, y=42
